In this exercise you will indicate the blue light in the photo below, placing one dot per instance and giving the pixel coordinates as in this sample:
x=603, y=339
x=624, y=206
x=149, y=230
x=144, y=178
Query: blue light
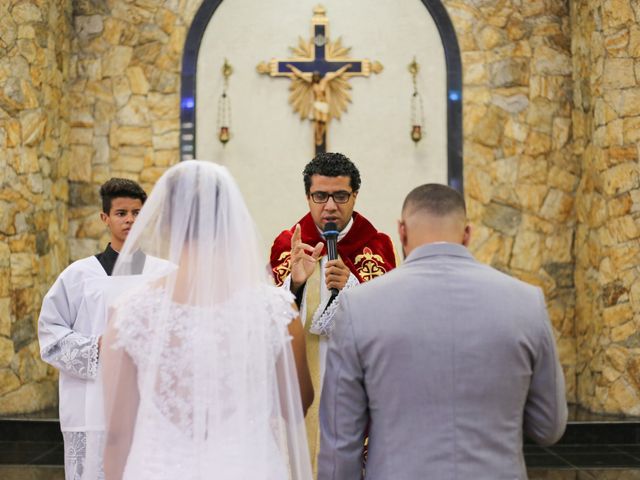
x=187, y=103
x=454, y=96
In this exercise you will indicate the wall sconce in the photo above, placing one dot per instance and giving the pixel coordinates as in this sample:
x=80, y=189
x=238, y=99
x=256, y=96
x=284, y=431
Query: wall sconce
x=417, y=108
x=224, y=106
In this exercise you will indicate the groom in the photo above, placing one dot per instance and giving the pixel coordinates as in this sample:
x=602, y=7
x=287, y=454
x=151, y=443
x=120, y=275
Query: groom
x=445, y=359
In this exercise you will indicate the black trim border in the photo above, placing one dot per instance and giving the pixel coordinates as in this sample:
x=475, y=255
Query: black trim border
x=188, y=77
x=454, y=85
x=454, y=92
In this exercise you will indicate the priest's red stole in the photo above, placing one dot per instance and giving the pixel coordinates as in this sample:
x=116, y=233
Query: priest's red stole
x=365, y=251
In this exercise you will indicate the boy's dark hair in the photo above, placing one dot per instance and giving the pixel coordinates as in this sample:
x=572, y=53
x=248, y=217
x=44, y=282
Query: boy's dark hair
x=119, y=188
x=331, y=165
x=435, y=199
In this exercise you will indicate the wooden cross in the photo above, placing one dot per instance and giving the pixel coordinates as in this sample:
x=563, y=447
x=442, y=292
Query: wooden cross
x=319, y=73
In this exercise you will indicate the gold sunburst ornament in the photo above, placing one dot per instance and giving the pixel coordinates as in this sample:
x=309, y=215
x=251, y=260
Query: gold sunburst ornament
x=319, y=70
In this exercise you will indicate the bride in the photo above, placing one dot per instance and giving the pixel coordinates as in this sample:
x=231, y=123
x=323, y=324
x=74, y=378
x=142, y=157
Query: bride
x=204, y=369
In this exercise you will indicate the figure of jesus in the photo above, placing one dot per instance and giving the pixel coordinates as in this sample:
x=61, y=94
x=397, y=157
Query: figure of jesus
x=319, y=85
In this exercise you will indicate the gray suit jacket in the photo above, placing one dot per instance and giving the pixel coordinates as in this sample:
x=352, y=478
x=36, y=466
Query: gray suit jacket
x=446, y=360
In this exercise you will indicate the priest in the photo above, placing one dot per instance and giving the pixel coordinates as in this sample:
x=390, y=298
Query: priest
x=300, y=263
x=72, y=320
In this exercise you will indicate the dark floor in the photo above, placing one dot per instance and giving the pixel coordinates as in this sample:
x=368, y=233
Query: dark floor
x=593, y=448
x=25, y=472
x=583, y=457
x=31, y=447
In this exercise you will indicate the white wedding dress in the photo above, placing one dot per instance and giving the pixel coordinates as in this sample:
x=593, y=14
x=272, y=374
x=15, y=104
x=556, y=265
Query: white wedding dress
x=180, y=432
x=200, y=379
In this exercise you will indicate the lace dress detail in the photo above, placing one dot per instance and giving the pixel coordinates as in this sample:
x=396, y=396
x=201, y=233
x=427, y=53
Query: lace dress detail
x=174, y=409
x=74, y=354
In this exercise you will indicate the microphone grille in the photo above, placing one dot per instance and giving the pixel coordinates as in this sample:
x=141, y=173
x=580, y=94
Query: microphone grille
x=330, y=226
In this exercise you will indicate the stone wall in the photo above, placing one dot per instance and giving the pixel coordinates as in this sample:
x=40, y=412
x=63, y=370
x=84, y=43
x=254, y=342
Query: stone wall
x=125, y=90
x=606, y=39
x=35, y=41
x=551, y=115
x=89, y=89
x=521, y=171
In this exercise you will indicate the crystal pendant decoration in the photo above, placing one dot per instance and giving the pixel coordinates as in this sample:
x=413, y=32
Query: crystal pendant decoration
x=223, y=135
x=416, y=133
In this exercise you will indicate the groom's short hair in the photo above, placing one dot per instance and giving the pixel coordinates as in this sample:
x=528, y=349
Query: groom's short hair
x=434, y=199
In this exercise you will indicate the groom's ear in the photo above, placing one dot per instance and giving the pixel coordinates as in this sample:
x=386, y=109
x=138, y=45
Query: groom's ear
x=402, y=232
x=466, y=236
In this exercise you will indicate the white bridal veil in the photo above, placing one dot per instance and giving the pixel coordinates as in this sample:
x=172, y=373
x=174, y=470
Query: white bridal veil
x=199, y=376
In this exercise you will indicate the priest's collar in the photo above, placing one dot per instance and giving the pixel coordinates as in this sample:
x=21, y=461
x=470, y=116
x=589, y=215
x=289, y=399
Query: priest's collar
x=344, y=231
x=108, y=259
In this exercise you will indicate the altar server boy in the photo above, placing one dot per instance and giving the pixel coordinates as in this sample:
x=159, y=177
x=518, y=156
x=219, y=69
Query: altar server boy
x=72, y=320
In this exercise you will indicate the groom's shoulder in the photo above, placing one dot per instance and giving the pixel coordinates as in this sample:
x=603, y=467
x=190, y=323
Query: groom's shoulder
x=376, y=289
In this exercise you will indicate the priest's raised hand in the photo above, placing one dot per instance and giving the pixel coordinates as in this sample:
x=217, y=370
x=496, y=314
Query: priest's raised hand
x=303, y=260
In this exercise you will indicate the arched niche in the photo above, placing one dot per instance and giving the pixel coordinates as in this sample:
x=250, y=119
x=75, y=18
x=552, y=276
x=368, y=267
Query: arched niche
x=270, y=144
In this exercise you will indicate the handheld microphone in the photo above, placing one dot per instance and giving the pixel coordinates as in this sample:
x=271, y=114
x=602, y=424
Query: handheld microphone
x=330, y=234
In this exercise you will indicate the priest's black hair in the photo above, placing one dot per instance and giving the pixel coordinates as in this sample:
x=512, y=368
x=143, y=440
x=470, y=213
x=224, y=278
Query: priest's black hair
x=120, y=188
x=331, y=164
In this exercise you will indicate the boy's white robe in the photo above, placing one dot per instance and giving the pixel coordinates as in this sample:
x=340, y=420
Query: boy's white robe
x=72, y=319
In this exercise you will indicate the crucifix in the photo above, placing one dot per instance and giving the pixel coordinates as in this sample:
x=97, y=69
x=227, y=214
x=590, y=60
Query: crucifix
x=319, y=72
